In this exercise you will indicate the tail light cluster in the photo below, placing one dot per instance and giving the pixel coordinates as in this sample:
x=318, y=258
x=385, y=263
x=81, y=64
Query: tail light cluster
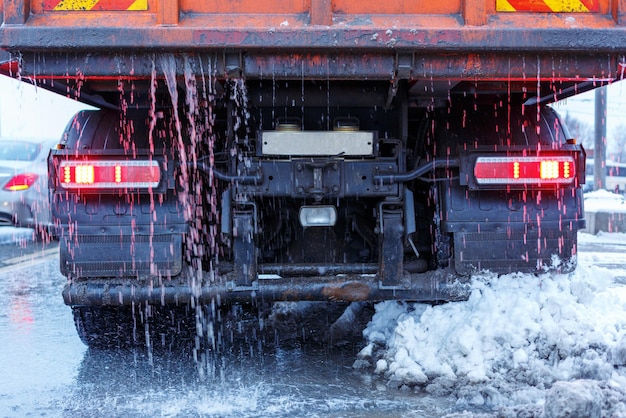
x=21, y=182
x=480, y=170
x=525, y=170
x=108, y=174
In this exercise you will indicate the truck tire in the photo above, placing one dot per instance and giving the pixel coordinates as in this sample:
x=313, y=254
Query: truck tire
x=161, y=328
x=105, y=326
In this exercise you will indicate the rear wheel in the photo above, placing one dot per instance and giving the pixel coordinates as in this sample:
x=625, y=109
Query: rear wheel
x=208, y=330
x=106, y=326
x=149, y=326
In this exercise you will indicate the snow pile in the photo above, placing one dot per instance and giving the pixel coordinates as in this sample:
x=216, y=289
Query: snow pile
x=516, y=341
x=604, y=201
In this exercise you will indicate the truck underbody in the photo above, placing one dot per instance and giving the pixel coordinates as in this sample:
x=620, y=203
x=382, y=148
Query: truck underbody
x=311, y=157
x=307, y=189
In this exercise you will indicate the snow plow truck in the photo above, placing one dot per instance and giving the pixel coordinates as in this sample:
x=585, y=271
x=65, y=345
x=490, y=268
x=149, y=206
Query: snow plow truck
x=259, y=151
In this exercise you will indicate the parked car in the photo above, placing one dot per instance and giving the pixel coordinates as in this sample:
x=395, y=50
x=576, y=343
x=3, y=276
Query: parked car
x=24, y=183
x=615, y=179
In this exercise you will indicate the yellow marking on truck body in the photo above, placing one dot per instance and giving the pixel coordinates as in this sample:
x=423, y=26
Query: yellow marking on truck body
x=76, y=5
x=139, y=5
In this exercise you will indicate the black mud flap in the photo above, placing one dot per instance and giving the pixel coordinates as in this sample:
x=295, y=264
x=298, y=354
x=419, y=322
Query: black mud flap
x=526, y=252
x=121, y=255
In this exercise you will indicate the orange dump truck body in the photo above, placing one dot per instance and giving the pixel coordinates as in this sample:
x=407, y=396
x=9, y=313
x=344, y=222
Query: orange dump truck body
x=565, y=39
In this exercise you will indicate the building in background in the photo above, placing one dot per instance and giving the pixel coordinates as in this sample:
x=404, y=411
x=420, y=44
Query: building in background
x=579, y=114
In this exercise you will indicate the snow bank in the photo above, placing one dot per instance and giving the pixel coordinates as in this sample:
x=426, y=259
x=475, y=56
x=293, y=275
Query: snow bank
x=516, y=337
x=605, y=211
x=604, y=201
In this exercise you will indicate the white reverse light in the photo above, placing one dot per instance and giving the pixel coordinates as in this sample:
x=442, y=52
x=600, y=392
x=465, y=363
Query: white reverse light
x=318, y=216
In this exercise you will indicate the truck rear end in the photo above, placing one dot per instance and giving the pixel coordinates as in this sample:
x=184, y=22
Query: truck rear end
x=310, y=150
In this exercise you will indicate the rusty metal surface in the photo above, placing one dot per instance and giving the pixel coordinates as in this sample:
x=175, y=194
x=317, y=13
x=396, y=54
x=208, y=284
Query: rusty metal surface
x=386, y=65
x=176, y=38
x=347, y=39
x=435, y=286
x=467, y=26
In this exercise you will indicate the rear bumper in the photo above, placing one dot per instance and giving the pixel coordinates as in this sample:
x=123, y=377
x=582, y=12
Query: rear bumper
x=436, y=286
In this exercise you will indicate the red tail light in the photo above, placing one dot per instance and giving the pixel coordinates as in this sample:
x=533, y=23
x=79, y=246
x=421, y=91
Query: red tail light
x=109, y=174
x=21, y=182
x=525, y=170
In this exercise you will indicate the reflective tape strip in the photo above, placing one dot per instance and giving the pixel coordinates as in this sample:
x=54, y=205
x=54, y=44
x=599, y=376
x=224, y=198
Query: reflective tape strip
x=75, y=5
x=547, y=6
x=139, y=5
x=504, y=6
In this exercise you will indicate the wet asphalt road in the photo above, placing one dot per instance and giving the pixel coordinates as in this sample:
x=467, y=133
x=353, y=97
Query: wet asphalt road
x=48, y=372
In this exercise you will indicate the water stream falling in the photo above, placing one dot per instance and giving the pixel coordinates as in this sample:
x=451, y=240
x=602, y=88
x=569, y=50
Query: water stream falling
x=195, y=141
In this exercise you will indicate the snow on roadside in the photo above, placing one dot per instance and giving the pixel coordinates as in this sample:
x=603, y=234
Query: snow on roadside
x=602, y=238
x=516, y=341
x=13, y=235
x=604, y=201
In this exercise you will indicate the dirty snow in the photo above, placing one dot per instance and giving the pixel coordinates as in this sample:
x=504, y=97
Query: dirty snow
x=552, y=345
